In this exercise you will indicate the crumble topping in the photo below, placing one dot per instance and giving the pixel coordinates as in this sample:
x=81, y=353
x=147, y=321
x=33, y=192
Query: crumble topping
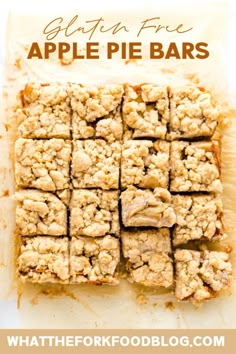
x=94, y=213
x=145, y=164
x=195, y=167
x=95, y=163
x=144, y=207
x=40, y=213
x=200, y=274
x=145, y=111
x=44, y=259
x=147, y=253
x=94, y=260
x=42, y=164
x=96, y=112
x=198, y=217
x=193, y=113
x=46, y=112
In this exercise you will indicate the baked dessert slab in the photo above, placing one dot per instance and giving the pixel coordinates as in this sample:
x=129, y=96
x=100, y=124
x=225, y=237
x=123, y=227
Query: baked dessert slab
x=42, y=164
x=44, y=259
x=193, y=113
x=195, y=167
x=201, y=275
x=94, y=213
x=94, y=260
x=96, y=164
x=86, y=144
x=145, y=164
x=145, y=111
x=148, y=256
x=46, y=112
x=40, y=213
x=198, y=217
x=146, y=207
x=96, y=111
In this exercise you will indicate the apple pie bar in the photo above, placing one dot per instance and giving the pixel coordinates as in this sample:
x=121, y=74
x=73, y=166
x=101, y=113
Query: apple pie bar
x=95, y=164
x=46, y=112
x=145, y=164
x=44, y=259
x=40, y=213
x=148, y=256
x=198, y=217
x=146, y=207
x=195, y=167
x=94, y=260
x=193, y=113
x=94, y=212
x=201, y=275
x=42, y=164
x=96, y=112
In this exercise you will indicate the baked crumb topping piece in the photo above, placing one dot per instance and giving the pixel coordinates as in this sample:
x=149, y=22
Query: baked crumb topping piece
x=195, y=167
x=147, y=253
x=144, y=207
x=94, y=213
x=95, y=164
x=96, y=112
x=44, y=259
x=46, y=112
x=42, y=164
x=40, y=213
x=200, y=275
x=193, y=113
x=145, y=111
x=94, y=260
x=64, y=196
x=145, y=164
x=198, y=217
